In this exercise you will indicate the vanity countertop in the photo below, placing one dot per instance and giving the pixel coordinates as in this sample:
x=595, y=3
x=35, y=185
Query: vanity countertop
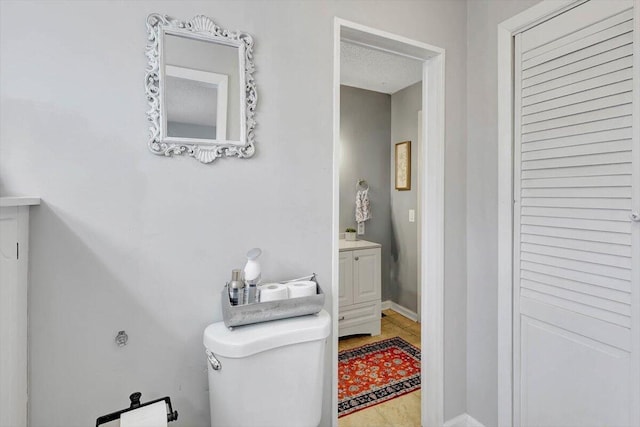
x=348, y=245
x=19, y=201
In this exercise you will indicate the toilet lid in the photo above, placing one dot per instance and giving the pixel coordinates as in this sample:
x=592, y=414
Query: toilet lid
x=247, y=340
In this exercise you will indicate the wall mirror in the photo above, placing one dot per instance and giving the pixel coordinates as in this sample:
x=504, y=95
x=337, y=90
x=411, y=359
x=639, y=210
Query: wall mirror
x=200, y=88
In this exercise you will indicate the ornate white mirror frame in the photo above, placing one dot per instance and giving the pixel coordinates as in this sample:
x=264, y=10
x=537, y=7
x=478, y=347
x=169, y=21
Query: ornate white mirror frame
x=199, y=28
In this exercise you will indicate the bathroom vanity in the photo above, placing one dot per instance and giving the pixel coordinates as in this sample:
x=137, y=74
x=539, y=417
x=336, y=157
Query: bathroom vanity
x=359, y=297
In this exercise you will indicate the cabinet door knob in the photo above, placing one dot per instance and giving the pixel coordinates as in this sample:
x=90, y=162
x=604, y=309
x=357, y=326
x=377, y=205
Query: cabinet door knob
x=357, y=258
x=635, y=216
x=340, y=318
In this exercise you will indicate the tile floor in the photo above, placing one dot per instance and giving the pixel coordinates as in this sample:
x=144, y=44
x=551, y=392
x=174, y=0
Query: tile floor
x=402, y=411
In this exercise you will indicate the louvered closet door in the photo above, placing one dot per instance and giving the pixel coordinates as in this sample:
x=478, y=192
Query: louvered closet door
x=574, y=286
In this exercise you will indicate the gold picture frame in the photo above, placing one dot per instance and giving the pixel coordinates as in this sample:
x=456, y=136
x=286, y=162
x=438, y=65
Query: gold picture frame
x=403, y=166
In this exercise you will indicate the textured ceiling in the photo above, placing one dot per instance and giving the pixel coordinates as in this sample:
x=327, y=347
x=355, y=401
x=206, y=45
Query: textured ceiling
x=376, y=70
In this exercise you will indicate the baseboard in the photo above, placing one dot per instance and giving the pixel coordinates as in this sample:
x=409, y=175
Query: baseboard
x=388, y=304
x=459, y=421
x=463, y=420
x=472, y=422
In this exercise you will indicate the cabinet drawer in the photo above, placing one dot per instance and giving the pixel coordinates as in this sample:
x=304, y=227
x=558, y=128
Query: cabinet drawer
x=359, y=313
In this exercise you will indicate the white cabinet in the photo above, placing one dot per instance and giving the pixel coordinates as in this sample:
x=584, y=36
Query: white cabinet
x=14, y=240
x=359, y=288
x=345, y=288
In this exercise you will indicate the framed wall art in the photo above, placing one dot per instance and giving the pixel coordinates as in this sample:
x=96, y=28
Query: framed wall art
x=403, y=165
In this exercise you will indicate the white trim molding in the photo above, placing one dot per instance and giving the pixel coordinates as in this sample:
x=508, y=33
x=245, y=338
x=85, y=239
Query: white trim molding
x=432, y=240
x=635, y=372
x=431, y=204
x=463, y=420
x=409, y=314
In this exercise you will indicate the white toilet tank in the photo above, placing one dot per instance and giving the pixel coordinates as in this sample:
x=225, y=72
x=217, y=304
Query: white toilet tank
x=269, y=374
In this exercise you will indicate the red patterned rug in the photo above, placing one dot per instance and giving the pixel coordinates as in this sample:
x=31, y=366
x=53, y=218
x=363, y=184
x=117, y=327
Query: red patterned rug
x=374, y=373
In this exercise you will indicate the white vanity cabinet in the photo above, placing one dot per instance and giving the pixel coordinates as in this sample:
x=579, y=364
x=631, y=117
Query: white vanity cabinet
x=359, y=296
x=14, y=241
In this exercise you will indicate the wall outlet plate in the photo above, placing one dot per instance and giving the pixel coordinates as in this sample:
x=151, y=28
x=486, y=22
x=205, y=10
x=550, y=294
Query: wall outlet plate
x=361, y=228
x=412, y=215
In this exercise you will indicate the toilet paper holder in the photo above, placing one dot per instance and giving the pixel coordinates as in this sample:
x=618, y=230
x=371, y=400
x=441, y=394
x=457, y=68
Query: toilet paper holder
x=135, y=404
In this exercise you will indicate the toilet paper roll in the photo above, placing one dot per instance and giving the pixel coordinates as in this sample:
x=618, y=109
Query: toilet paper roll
x=273, y=292
x=303, y=288
x=154, y=415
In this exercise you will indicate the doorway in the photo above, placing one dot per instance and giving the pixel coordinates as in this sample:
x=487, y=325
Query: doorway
x=429, y=151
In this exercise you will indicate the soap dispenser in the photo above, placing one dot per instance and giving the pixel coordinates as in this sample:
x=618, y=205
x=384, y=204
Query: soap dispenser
x=236, y=288
x=252, y=275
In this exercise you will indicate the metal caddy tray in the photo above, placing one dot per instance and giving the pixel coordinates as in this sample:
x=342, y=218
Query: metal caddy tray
x=247, y=314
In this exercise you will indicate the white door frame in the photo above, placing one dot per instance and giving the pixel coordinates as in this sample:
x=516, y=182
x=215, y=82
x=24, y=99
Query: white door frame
x=431, y=208
x=419, y=204
x=506, y=32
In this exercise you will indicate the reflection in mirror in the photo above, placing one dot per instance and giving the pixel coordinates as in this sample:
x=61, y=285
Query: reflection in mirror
x=192, y=99
x=194, y=70
x=200, y=88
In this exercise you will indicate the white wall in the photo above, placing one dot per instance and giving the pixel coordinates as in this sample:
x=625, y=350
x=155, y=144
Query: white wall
x=483, y=17
x=128, y=240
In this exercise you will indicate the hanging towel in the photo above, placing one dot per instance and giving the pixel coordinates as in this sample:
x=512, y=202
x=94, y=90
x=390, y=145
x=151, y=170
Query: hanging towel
x=363, y=211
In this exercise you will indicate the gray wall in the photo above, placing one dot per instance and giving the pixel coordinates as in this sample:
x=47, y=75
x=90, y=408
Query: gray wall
x=368, y=121
x=365, y=130
x=483, y=18
x=405, y=105
x=128, y=240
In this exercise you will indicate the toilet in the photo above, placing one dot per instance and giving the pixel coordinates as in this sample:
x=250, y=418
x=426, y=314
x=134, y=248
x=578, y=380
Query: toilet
x=267, y=374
